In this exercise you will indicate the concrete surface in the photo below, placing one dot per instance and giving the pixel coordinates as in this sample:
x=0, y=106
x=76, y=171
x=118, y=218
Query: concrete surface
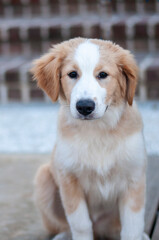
x=19, y=218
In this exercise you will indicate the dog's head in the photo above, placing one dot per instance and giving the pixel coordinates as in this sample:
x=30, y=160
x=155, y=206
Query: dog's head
x=88, y=75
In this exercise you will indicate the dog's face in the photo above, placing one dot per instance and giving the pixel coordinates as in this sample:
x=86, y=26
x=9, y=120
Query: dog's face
x=90, y=76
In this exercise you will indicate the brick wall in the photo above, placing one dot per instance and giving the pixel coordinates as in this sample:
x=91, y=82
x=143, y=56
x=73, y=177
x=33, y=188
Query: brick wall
x=29, y=27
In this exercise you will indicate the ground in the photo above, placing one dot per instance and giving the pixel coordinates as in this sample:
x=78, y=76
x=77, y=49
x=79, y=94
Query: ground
x=20, y=220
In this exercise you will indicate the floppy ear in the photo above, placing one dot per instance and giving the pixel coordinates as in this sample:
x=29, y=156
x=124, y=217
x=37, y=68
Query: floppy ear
x=46, y=71
x=130, y=71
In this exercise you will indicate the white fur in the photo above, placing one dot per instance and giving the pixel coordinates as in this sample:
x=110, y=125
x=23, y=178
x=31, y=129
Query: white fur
x=80, y=223
x=87, y=87
x=132, y=223
x=82, y=152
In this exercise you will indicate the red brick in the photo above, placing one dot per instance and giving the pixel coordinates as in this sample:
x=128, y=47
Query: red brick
x=113, y=4
x=157, y=45
x=96, y=31
x=14, y=94
x=0, y=36
x=141, y=36
x=76, y=31
x=1, y=9
x=1, y=50
x=34, y=34
x=55, y=33
x=36, y=94
x=15, y=2
x=72, y=6
x=15, y=48
x=34, y=2
x=18, y=10
x=149, y=5
x=12, y=77
x=35, y=7
x=141, y=44
x=141, y=30
x=152, y=82
x=130, y=6
x=118, y=31
x=153, y=74
x=121, y=42
x=92, y=5
x=54, y=6
x=157, y=31
x=153, y=91
x=36, y=47
x=14, y=34
x=89, y=2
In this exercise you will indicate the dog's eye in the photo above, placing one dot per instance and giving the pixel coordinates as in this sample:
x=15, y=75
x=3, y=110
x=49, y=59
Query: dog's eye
x=102, y=75
x=73, y=74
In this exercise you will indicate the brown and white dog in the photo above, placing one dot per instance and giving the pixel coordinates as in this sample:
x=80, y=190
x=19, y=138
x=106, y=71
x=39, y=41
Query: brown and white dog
x=95, y=184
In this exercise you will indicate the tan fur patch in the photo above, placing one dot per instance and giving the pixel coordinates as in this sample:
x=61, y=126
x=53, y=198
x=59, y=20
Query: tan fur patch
x=71, y=193
x=129, y=123
x=48, y=200
x=67, y=130
x=125, y=63
x=136, y=196
x=47, y=69
x=52, y=228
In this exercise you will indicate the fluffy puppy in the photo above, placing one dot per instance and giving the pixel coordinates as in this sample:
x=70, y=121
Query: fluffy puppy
x=94, y=185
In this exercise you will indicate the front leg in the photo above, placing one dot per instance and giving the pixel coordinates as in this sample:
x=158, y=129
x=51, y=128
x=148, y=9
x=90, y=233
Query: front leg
x=132, y=208
x=75, y=208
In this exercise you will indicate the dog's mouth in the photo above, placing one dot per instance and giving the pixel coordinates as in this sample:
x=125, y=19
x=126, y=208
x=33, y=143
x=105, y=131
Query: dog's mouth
x=91, y=116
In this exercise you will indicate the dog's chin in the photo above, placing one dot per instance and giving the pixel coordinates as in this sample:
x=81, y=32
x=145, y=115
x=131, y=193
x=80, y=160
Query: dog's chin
x=89, y=117
x=92, y=116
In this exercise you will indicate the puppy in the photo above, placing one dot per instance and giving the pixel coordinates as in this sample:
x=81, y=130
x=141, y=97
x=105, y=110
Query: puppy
x=94, y=185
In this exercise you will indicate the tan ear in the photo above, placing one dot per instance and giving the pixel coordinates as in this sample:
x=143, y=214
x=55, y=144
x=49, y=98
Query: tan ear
x=130, y=71
x=46, y=71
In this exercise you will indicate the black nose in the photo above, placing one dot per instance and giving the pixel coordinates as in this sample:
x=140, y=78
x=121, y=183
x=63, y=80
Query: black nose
x=85, y=107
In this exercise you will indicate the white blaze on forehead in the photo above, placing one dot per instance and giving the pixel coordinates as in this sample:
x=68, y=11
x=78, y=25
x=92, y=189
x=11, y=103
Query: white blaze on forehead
x=87, y=87
x=87, y=55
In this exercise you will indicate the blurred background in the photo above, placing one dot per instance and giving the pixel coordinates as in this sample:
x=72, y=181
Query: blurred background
x=27, y=116
x=29, y=27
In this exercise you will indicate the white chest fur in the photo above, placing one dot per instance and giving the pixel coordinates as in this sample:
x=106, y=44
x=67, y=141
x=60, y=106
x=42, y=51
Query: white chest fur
x=99, y=160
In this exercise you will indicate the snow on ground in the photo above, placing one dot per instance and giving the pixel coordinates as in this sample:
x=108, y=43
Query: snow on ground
x=32, y=128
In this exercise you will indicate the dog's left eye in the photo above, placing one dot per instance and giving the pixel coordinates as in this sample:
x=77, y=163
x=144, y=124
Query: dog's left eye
x=73, y=74
x=102, y=75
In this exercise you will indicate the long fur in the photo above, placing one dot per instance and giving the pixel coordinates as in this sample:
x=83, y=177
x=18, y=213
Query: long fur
x=95, y=182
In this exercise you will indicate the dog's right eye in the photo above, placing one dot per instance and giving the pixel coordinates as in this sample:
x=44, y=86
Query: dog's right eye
x=73, y=74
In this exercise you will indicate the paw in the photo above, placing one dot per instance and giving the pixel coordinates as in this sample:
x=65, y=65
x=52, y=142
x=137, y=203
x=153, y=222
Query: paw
x=145, y=237
x=63, y=236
